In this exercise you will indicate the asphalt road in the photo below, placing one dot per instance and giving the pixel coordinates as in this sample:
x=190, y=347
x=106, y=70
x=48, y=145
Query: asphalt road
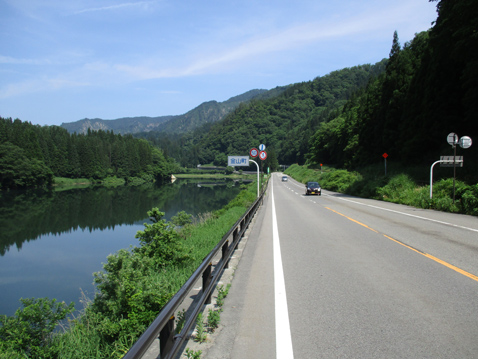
x=361, y=279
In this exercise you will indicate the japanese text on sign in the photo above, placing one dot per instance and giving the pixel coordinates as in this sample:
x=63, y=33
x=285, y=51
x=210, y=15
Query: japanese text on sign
x=237, y=161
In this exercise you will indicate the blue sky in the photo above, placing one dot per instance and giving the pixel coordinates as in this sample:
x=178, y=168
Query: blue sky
x=62, y=61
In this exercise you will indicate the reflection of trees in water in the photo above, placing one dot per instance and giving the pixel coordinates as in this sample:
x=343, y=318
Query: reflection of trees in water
x=25, y=216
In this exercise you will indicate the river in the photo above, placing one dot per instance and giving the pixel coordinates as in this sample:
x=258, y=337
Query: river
x=51, y=242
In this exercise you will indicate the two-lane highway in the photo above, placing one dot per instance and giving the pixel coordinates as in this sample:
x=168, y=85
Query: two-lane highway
x=335, y=276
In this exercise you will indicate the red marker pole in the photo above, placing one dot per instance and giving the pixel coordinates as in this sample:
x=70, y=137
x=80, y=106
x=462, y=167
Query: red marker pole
x=385, y=155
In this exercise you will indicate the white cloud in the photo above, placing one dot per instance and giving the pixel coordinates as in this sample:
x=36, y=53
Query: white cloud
x=257, y=47
x=14, y=61
x=140, y=4
x=39, y=85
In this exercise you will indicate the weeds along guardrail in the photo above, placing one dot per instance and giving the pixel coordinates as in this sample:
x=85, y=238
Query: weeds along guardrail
x=163, y=326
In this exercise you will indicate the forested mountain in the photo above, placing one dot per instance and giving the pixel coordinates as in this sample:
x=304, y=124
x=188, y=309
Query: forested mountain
x=30, y=155
x=429, y=89
x=121, y=125
x=284, y=122
x=207, y=112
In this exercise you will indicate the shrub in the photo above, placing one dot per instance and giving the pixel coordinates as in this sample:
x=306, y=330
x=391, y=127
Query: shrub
x=469, y=200
x=30, y=330
x=339, y=180
x=181, y=219
x=161, y=242
x=397, y=190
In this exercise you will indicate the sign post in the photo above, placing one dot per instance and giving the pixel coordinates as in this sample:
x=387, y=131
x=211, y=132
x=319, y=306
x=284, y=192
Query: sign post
x=262, y=155
x=446, y=160
x=452, y=140
x=257, y=177
x=243, y=161
x=464, y=142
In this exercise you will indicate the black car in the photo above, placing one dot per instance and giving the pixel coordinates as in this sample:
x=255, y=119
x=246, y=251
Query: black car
x=313, y=188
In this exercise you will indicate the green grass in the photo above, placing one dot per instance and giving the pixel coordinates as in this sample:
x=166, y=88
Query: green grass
x=214, y=175
x=62, y=181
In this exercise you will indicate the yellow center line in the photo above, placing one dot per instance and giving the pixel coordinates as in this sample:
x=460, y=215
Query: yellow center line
x=438, y=260
x=351, y=219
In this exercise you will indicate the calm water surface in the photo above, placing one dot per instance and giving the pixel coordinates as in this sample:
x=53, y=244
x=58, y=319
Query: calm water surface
x=52, y=242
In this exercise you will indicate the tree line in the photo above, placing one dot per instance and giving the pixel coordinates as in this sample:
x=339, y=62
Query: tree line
x=31, y=155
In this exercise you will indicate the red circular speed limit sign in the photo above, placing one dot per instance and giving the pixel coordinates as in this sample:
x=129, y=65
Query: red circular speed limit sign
x=262, y=155
x=254, y=152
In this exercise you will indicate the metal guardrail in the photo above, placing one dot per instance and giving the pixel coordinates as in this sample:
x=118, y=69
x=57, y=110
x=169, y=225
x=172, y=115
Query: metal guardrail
x=163, y=325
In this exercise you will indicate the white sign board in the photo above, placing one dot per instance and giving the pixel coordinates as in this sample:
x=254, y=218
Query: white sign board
x=450, y=161
x=237, y=161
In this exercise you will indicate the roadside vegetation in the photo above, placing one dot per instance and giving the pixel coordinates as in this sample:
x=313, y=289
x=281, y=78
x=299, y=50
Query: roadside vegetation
x=131, y=290
x=396, y=187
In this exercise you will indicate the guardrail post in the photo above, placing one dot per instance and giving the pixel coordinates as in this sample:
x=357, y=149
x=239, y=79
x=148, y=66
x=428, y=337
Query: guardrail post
x=206, y=279
x=166, y=337
x=225, y=248
x=234, y=234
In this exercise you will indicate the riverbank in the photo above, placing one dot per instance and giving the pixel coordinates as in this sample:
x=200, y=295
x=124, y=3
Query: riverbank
x=62, y=182
x=108, y=181
x=132, y=288
x=215, y=175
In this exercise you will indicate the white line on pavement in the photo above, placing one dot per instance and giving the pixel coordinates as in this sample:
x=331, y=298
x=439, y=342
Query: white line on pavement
x=410, y=215
x=283, y=336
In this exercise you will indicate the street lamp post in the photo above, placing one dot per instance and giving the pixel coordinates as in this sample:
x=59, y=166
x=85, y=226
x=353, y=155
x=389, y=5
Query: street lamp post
x=464, y=142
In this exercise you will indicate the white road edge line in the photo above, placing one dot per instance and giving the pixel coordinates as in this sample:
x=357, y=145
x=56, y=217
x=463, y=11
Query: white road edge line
x=283, y=336
x=410, y=215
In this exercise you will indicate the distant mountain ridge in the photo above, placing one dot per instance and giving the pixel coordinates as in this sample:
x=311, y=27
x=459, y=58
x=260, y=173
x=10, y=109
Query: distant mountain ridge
x=211, y=111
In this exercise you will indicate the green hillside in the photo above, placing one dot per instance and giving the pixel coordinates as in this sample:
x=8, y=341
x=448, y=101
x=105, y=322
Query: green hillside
x=284, y=122
x=429, y=89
